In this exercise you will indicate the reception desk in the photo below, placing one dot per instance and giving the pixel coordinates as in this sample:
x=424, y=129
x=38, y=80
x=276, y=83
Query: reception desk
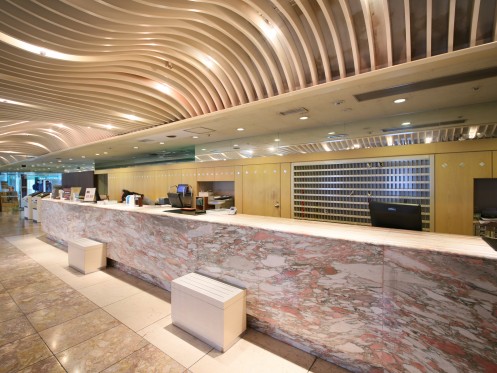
x=368, y=299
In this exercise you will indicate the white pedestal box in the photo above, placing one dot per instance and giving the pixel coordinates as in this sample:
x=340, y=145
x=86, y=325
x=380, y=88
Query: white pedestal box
x=87, y=255
x=211, y=310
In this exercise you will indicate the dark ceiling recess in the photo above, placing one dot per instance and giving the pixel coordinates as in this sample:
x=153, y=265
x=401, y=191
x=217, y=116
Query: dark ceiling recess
x=429, y=84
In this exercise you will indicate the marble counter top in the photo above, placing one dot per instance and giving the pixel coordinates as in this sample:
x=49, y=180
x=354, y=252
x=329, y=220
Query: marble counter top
x=443, y=243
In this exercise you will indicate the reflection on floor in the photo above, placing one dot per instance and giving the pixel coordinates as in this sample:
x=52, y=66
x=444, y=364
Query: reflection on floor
x=55, y=319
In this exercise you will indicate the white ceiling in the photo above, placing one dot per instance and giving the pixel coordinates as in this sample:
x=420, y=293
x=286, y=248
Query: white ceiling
x=71, y=71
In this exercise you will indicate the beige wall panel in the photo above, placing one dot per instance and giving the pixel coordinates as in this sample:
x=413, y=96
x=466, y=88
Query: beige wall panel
x=239, y=189
x=189, y=176
x=206, y=174
x=224, y=173
x=454, y=178
x=173, y=178
x=286, y=190
x=261, y=190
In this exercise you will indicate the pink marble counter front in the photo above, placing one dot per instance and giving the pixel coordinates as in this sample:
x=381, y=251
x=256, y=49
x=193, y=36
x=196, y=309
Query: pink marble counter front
x=367, y=299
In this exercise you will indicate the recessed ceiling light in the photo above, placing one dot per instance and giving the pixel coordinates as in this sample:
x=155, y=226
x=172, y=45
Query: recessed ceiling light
x=304, y=117
x=331, y=133
x=400, y=100
x=240, y=129
x=105, y=153
x=406, y=123
x=204, y=149
x=194, y=137
x=271, y=149
x=135, y=147
x=428, y=140
x=97, y=153
x=277, y=140
x=161, y=143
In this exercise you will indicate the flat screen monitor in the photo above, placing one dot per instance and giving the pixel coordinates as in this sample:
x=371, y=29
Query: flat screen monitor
x=396, y=215
x=175, y=200
x=183, y=189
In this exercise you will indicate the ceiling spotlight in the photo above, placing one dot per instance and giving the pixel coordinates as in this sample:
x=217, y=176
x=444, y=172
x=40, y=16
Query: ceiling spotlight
x=304, y=117
x=331, y=133
x=135, y=147
x=428, y=140
x=406, y=123
x=161, y=143
x=194, y=137
x=400, y=100
x=277, y=140
x=240, y=129
x=338, y=102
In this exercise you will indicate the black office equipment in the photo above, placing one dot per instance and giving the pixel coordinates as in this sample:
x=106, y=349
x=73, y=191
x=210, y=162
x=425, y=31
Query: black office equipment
x=396, y=215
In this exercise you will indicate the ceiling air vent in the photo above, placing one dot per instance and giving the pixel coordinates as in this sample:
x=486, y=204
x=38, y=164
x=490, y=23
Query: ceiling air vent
x=199, y=130
x=429, y=84
x=425, y=125
x=299, y=110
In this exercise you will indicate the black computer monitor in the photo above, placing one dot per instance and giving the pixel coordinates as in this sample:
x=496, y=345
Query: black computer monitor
x=396, y=215
x=175, y=200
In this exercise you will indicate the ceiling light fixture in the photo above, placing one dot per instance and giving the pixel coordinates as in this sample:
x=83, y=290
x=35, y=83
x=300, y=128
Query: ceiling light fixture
x=400, y=100
x=240, y=129
x=428, y=140
x=472, y=132
x=304, y=117
x=406, y=123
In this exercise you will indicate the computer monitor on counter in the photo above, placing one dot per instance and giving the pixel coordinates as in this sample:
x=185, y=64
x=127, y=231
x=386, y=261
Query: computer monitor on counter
x=396, y=215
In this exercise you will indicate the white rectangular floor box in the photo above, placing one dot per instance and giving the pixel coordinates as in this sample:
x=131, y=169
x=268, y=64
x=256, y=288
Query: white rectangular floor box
x=87, y=255
x=210, y=310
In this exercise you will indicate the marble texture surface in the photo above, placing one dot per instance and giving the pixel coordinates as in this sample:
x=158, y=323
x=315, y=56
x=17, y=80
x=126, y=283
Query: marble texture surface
x=367, y=299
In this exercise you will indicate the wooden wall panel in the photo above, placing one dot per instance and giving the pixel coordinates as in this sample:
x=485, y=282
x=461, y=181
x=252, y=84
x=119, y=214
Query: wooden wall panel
x=286, y=190
x=454, y=178
x=261, y=190
x=239, y=188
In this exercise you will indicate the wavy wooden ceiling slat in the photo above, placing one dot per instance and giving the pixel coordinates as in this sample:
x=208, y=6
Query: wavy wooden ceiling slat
x=167, y=61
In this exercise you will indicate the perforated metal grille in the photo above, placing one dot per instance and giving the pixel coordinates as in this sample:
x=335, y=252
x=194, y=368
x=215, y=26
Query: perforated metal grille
x=340, y=191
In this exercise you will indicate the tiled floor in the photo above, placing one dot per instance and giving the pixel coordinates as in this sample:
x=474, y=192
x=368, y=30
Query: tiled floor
x=55, y=319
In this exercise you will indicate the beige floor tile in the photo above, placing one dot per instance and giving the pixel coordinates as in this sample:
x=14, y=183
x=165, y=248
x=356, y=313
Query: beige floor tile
x=48, y=365
x=25, y=267
x=323, y=366
x=14, y=329
x=2, y=289
x=48, y=317
x=101, y=351
x=42, y=286
x=8, y=308
x=143, y=309
x=181, y=346
x=77, y=279
x=80, y=329
x=255, y=352
x=51, y=298
x=147, y=359
x=26, y=278
x=22, y=353
x=109, y=291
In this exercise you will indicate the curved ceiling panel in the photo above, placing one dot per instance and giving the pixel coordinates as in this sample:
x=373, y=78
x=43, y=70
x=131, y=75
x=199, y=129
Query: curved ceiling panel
x=74, y=72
